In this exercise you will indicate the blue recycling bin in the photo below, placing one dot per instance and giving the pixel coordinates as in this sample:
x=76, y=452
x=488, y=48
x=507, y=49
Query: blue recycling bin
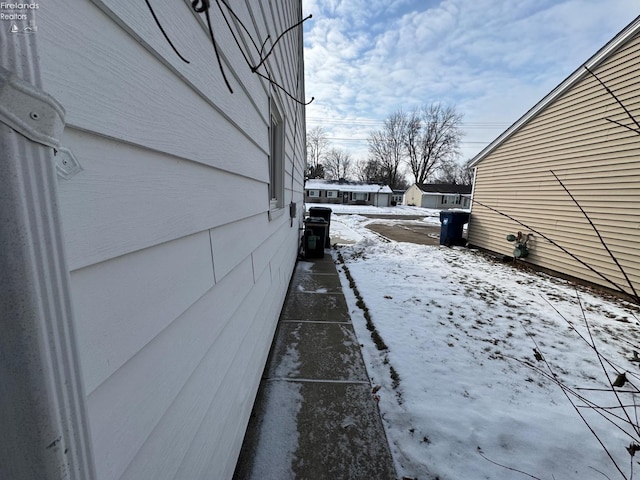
x=452, y=224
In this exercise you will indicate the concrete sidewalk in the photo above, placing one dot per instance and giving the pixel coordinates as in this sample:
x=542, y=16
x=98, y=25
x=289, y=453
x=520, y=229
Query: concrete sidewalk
x=315, y=416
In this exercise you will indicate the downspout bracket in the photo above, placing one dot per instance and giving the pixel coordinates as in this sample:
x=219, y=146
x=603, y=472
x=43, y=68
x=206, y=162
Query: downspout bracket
x=30, y=111
x=67, y=164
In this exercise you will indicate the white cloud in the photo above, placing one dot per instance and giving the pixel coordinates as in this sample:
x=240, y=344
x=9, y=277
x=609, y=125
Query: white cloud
x=493, y=60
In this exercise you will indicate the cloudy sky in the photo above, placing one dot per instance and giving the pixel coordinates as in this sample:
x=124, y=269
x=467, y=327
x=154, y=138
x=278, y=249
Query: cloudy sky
x=492, y=59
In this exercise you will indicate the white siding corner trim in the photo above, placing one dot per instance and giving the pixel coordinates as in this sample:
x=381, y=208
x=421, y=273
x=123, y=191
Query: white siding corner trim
x=42, y=407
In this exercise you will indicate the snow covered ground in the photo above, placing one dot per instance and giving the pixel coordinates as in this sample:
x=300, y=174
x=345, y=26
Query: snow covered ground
x=342, y=234
x=371, y=210
x=460, y=331
x=399, y=211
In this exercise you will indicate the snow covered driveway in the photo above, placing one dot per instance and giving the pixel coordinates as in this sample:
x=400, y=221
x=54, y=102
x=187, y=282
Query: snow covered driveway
x=456, y=391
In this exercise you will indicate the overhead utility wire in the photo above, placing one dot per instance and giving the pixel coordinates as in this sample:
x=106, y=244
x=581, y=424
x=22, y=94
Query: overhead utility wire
x=366, y=140
x=378, y=122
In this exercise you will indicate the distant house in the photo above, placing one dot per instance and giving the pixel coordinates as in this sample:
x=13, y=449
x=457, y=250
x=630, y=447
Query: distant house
x=397, y=197
x=581, y=134
x=345, y=192
x=175, y=282
x=442, y=196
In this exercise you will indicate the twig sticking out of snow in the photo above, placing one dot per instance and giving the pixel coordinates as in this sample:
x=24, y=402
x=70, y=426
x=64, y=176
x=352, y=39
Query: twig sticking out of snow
x=505, y=466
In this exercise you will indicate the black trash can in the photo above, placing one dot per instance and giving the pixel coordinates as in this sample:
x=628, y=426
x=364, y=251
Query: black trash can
x=315, y=232
x=452, y=224
x=323, y=212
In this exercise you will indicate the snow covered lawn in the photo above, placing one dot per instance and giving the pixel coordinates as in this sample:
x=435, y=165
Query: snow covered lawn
x=371, y=210
x=456, y=392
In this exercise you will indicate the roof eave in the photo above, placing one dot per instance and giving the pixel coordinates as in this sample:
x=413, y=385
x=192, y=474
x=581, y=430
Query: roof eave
x=601, y=55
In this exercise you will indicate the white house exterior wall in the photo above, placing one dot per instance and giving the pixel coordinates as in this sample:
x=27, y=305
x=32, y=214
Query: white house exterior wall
x=413, y=196
x=178, y=266
x=381, y=199
x=430, y=201
x=323, y=191
x=597, y=160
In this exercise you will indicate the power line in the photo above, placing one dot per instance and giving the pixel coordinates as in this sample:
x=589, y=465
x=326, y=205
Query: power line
x=364, y=140
x=375, y=123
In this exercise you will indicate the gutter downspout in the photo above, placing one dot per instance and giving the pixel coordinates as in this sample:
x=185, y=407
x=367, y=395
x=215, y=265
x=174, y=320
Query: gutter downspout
x=45, y=433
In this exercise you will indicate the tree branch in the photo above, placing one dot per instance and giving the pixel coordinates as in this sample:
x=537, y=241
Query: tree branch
x=554, y=243
x=604, y=244
x=614, y=96
x=504, y=466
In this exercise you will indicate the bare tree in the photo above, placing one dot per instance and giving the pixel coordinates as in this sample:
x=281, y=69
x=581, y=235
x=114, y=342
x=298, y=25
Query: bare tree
x=466, y=173
x=447, y=172
x=432, y=138
x=412, y=138
x=387, y=147
x=369, y=171
x=450, y=171
x=317, y=147
x=338, y=164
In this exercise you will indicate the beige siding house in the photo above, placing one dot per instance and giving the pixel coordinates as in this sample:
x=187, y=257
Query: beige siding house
x=580, y=133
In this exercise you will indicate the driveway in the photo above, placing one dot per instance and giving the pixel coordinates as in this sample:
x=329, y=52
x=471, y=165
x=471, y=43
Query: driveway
x=411, y=232
x=399, y=228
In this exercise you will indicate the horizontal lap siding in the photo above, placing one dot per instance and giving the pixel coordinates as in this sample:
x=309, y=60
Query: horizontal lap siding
x=129, y=198
x=599, y=163
x=128, y=406
x=413, y=196
x=226, y=437
x=132, y=96
x=124, y=303
x=178, y=269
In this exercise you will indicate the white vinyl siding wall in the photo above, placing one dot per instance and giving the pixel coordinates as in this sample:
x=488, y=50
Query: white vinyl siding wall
x=597, y=160
x=179, y=266
x=413, y=196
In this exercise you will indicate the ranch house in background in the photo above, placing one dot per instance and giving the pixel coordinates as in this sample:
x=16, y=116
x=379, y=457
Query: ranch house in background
x=397, y=197
x=578, y=137
x=144, y=295
x=346, y=192
x=442, y=196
